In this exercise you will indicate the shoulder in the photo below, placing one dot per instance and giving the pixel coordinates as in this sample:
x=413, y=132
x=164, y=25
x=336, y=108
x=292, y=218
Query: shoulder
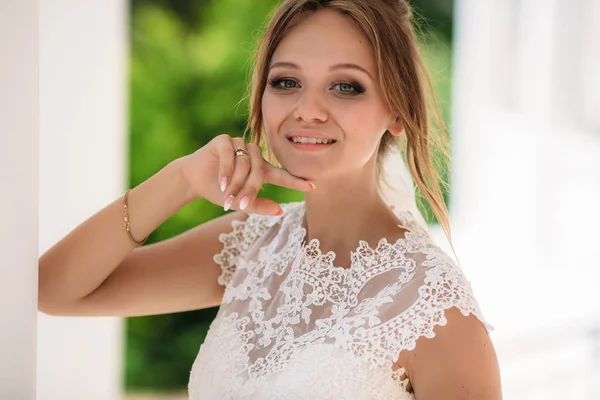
x=458, y=362
x=435, y=286
x=421, y=283
x=443, y=339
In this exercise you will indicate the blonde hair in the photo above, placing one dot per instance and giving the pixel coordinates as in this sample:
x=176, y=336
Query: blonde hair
x=404, y=81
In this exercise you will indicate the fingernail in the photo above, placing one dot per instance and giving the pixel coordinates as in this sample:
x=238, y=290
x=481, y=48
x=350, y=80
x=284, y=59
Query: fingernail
x=280, y=213
x=312, y=184
x=228, y=202
x=244, y=202
x=223, y=183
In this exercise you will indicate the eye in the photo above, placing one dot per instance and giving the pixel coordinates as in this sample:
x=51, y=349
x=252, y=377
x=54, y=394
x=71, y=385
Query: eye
x=287, y=83
x=344, y=87
x=351, y=88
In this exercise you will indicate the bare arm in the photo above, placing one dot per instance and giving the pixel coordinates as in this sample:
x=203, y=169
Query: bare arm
x=97, y=270
x=458, y=363
x=80, y=262
x=174, y=275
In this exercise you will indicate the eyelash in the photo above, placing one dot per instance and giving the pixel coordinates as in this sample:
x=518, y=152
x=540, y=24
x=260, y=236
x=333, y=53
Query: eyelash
x=357, y=87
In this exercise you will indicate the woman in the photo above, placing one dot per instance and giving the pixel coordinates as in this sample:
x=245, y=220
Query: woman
x=339, y=296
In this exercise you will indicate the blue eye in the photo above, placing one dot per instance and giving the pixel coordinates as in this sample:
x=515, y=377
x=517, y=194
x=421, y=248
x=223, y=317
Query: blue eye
x=345, y=88
x=276, y=83
x=349, y=88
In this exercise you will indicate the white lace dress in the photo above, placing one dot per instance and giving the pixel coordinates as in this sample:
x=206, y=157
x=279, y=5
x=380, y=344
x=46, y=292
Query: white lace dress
x=292, y=325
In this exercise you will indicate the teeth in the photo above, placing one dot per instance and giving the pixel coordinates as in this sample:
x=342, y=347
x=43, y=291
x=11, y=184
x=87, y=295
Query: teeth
x=297, y=139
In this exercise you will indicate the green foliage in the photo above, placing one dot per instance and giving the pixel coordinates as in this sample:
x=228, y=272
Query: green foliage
x=188, y=73
x=186, y=81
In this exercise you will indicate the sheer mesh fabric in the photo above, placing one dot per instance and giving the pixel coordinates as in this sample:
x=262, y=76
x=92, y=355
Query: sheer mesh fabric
x=292, y=325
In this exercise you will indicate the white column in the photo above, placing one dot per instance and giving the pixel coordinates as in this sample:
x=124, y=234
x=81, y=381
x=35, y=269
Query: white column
x=526, y=154
x=82, y=169
x=18, y=197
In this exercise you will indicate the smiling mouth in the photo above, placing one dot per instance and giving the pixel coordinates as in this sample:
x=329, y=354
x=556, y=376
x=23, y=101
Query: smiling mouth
x=313, y=141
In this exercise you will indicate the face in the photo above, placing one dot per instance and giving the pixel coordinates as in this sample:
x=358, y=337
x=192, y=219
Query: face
x=323, y=85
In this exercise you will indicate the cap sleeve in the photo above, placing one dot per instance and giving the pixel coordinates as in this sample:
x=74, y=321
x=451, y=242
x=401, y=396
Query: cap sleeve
x=439, y=284
x=237, y=242
x=418, y=300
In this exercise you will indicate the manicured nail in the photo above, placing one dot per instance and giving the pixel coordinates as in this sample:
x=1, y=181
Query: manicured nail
x=228, y=202
x=223, y=183
x=244, y=202
x=312, y=184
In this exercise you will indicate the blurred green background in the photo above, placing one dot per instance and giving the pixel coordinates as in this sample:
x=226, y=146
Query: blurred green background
x=189, y=63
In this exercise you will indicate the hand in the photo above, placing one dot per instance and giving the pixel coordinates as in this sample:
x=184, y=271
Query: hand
x=214, y=174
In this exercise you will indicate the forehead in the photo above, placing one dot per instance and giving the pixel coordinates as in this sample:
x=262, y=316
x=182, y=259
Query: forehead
x=324, y=38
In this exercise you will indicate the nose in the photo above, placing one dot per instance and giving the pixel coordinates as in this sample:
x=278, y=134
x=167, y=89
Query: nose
x=310, y=107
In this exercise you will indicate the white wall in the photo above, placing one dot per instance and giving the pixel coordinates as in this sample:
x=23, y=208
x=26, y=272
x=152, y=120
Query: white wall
x=526, y=150
x=18, y=197
x=83, y=56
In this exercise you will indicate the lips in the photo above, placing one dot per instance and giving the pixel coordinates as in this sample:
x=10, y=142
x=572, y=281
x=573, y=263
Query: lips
x=308, y=140
x=301, y=133
x=306, y=136
x=310, y=147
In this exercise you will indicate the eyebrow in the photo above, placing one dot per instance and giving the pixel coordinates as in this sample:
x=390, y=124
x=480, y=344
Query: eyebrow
x=285, y=64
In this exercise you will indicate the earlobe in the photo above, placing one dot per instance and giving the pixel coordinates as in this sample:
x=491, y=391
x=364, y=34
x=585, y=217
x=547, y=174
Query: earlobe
x=397, y=127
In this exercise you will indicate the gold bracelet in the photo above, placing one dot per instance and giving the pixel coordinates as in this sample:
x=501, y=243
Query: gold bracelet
x=126, y=220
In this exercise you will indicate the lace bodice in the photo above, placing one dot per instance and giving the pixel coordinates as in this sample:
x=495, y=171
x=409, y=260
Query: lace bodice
x=292, y=325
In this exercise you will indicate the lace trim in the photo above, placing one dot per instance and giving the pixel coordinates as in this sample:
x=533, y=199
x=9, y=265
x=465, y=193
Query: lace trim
x=444, y=286
x=363, y=255
x=237, y=242
x=244, y=233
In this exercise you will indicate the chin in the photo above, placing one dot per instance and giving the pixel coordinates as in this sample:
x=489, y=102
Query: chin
x=304, y=170
x=301, y=166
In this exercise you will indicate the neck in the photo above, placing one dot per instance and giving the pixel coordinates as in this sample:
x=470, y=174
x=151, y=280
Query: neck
x=344, y=210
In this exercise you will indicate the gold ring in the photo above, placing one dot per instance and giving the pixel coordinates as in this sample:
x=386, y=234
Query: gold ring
x=240, y=152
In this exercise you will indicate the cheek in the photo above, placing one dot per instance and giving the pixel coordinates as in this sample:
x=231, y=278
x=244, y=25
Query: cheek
x=362, y=124
x=273, y=114
x=273, y=111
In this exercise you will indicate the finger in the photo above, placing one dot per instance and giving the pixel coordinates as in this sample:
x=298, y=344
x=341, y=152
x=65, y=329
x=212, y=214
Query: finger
x=264, y=206
x=281, y=177
x=255, y=178
x=241, y=169
x=225, y=152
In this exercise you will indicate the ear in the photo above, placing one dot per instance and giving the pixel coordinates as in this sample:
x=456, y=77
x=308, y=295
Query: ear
x=396, y=127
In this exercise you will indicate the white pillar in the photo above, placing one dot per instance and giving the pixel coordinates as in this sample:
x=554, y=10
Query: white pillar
x=82, y=168
x=526, y=184
x=18, y=197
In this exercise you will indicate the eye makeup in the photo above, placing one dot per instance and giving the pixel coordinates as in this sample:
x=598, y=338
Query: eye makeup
x=356, y=88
